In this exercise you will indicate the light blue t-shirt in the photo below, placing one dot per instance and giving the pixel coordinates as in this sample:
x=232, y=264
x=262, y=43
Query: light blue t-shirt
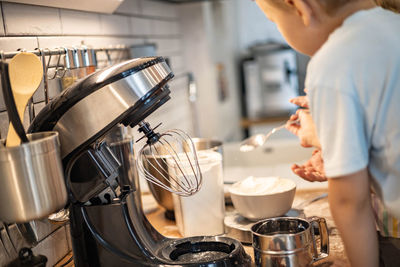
x=354, y=93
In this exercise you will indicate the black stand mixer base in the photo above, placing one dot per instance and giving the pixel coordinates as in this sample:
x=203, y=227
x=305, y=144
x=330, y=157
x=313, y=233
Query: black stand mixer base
x=114, y=235
x=205, y=251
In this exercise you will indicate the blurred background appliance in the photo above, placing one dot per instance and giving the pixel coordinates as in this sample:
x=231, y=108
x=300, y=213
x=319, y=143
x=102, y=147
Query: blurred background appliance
x=270, y=76
x=270, y=80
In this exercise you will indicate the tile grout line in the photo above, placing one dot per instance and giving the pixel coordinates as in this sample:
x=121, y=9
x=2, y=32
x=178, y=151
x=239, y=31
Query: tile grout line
x=4, y=28
x=132, y=36
x=149, y=17
x=59, y=17
x=2, y=16
x=140, y=7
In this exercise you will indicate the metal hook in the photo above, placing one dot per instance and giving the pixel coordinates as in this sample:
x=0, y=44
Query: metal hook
x=119, y=53
x=49, y=60
x=2, y=56
x=108, y=56
x=45, y=69
x=63, y=73
x=123, y=51
x=58, y=67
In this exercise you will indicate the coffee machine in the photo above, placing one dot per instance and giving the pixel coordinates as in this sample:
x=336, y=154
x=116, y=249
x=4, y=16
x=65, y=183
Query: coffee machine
x=108, y=226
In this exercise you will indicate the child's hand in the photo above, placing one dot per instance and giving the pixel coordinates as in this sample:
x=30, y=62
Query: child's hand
x=313, y=169
x=301, y=101
x=305, y=130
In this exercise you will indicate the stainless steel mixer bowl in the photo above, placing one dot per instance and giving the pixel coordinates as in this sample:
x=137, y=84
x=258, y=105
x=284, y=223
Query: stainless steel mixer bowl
x=164, y=197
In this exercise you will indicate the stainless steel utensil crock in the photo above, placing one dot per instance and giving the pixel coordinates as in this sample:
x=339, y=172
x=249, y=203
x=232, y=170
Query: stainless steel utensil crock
x=32, y=179
x=164, y=197
x=289, y=242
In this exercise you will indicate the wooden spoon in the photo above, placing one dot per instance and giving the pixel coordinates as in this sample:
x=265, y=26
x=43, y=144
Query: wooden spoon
x=26, y=73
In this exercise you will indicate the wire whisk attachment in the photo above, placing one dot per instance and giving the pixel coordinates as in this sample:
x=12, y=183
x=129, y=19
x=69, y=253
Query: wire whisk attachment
x=170, y=161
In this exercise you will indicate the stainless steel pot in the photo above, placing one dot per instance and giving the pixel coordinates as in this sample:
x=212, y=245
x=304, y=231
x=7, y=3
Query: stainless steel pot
x=164, y=197
x=289, y=242
x=32, y=179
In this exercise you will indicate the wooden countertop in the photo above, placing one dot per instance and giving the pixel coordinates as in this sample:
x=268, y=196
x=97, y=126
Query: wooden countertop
x=319, y=208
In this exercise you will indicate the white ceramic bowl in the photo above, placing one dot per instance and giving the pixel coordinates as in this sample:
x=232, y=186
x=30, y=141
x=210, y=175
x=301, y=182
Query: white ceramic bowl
x=258, y=198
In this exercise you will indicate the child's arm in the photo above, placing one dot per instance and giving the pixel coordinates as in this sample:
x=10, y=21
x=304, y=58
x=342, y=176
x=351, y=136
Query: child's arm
x=350, y=204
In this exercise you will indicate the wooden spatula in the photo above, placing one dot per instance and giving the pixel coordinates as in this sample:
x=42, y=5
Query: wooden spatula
x=26, y=73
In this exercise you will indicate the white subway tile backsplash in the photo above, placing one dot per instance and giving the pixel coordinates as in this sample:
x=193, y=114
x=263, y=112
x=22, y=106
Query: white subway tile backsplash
x=68, y=233
x=26, y=121
x=131, y=7
x=2, y=104
x=31, y=20
x=3, y=124
x=10, y=44
x=54, y=247
x=39, y=94
x=80, y=23
x=159, y=9
x=176, y=63
x=177, y=117
x=140, y=26
x=115, y=25
x=179, y=82
x=16, y=237
x=111, y=41
x=167, y=46
x=53, y=42
x=165, y=27
x=43, y=228
x=7, y=243
x=1, y=24
x=4, y=259
x=54, y=89
x=39, y=106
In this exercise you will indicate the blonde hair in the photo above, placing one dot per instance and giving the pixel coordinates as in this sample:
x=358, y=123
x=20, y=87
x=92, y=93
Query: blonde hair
x=330, y=6
x=393, y=5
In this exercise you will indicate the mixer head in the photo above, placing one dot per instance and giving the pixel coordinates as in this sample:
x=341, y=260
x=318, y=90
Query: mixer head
x=124, y=93
x=170, y=161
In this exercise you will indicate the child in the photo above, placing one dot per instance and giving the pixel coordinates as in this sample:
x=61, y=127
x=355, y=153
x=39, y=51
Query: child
x=353, y=82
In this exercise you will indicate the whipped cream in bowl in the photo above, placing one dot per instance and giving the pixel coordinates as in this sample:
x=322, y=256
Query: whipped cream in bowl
x=258, y=198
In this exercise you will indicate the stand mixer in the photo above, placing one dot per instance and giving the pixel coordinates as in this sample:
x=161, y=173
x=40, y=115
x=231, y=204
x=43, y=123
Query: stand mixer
x=108, y=226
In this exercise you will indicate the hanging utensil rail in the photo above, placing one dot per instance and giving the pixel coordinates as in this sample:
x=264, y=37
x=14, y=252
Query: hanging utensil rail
x=60, y=51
